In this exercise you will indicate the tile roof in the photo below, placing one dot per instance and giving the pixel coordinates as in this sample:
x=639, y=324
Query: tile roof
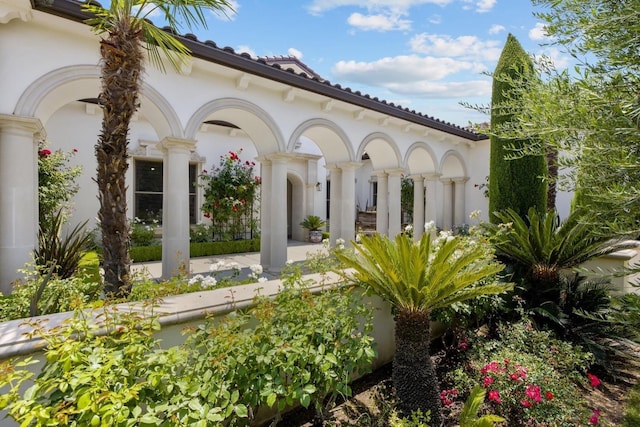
x=272, y=69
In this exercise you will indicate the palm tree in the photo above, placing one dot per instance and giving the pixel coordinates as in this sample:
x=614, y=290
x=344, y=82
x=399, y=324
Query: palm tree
x=129, y=35
x=540, y=247
x=417, y=278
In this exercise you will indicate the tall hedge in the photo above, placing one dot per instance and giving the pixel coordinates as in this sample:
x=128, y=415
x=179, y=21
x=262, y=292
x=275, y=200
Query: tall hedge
x=513, y=183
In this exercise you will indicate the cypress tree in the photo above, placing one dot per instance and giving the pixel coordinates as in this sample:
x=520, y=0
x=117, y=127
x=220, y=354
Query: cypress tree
x=513, y=183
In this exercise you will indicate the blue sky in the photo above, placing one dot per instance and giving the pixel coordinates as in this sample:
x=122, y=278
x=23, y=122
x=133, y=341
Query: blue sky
x=426, y=55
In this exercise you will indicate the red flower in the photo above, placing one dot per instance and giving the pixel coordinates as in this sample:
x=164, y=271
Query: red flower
x=595, y=417
x=548, y=395
x=533, y=392
x=463, y=346
x=44, y=152
x=526, y=403
x=494, y=395
x=487, y=381
x=204, y=171
x=207, y=215
x=593, y=380
x=75, y=150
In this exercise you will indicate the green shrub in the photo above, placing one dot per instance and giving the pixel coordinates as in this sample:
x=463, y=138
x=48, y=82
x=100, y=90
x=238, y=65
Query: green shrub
x=145, y=253
x=200, y=233
x=531, y=377
x=301, y=348
x=154, y=252
x=89, y=267
x=57, y=296
x=142, y=234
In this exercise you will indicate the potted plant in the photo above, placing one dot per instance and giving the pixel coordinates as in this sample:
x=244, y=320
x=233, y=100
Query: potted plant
x=314, y=223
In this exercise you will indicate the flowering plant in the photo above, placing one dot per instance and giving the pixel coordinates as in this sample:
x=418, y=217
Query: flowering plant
x=56, y=181
x=230, y=196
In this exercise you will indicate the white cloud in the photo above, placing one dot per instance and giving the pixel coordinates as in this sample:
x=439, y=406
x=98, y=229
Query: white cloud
x=496, y=28
x=246, y=49
x=378, y=22
x=456, y=90
x=538, y=32
x=468, y=47
x=391, y=70
x=483, y=6
x=320, y=6
x=382, y=15
x=435, y=19
x=294, y=52
x=559, y=59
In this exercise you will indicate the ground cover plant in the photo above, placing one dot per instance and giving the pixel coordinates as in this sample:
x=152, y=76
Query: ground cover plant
x=296, y=348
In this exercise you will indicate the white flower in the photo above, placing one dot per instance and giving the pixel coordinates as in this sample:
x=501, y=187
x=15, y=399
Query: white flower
x=196, y=279
x=217, y=266
x=358, y=238
x=475, y=214
x=234, y=266
x=408, y=228
x=262, y=280
x=209, y=282
x=325, y=242
x=340, y=242
x=289, y=261
x=256, y=269
x=430, y=226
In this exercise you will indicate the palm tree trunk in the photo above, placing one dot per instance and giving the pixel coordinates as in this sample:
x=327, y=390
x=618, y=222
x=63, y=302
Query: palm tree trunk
x=552, y=176
x=122, y=66
x=414, y=376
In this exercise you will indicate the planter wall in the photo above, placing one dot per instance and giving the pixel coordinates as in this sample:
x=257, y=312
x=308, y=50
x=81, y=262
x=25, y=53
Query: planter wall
x=191, y=309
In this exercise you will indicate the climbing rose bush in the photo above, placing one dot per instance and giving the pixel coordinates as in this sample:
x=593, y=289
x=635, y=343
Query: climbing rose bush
x=231, y=196
x=56, y=180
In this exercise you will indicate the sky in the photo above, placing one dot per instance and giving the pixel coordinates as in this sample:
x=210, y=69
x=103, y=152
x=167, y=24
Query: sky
x=425, y=55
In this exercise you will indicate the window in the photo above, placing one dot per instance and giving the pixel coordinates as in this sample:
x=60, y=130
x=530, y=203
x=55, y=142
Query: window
x=148, y=191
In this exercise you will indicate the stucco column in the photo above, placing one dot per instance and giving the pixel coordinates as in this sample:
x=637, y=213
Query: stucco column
x=430, y=200
x=265, y=212
x=395, y=208
x=175, y=205
x=335, y=203
x=18, y=194
x=459, y=217
x=447, y=201
x=278, y=206
x=382, y=204
x=418, y=206
x=348, y=197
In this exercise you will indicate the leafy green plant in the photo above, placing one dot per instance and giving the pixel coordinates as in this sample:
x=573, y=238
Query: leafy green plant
x=313, y=223
x=298, y=348
x=230, y=197
x=56, y=182
x=200, y=233
x=418, y=278
x=529, y=376
x=469, y=414
x=62, y=252
x=140, y=233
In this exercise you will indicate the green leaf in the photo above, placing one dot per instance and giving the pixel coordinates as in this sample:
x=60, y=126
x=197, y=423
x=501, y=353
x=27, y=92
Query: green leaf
x=241, y=410
x=309, y=388
x=271, y=399
x=305, y=400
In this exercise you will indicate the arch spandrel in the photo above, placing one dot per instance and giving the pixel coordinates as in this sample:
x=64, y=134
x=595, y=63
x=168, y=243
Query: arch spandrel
x=382, y=150
x=421, y=159
x=60, y=87
x=332, y=141
x=259, y=126
x=453, y=165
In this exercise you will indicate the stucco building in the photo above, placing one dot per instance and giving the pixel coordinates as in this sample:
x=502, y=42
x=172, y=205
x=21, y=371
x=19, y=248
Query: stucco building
x=307, y=134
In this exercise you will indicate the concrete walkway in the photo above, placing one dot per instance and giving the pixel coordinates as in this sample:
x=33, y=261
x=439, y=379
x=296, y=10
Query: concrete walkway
x=296, y=252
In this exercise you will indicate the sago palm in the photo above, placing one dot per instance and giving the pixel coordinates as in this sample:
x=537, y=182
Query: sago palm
x=129, y=38
x=417, y=278
x=541, y=246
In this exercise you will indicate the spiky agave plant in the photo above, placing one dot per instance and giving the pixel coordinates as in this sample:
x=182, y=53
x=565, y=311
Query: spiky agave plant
x=417, y=278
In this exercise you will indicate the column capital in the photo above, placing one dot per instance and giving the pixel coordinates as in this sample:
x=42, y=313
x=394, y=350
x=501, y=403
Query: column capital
x=431, y=176
x=171, y=143
x=345, y=165
x=395, y=172
x=379, y=173
x=276, y=157
x=29, y=124
x=460, y=180
x=417, y=177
